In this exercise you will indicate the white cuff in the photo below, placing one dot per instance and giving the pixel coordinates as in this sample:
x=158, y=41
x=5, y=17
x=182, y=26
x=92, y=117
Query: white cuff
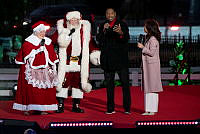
x=95, y=57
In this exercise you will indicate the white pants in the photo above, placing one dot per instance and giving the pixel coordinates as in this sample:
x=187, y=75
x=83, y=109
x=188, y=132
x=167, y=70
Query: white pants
x=76, y=93
x=151, y=102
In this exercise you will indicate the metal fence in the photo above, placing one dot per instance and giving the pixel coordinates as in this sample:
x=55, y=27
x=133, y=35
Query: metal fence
x=167, y=45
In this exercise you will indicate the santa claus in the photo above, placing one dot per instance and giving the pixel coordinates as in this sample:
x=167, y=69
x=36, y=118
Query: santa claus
x=75, y=50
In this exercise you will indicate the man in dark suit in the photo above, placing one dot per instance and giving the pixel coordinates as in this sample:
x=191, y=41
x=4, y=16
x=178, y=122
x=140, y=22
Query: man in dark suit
x=113, y=39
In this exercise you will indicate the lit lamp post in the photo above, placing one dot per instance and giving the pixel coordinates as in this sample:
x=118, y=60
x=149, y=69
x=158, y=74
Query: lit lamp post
x=178, y=58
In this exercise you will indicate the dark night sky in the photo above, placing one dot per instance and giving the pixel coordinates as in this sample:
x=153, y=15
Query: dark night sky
x=127, y=9
x=134, y=9
x=160, y=7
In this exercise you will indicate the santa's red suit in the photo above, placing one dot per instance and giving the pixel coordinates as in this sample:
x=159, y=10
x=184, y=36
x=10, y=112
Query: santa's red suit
x=75, y=52
x=37, y=76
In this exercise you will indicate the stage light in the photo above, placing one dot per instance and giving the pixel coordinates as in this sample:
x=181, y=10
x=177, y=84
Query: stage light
x=176, y=123
x=25, y=23
x=81, y=124
x=14, y=26
x=174, y=28
x=14, y=89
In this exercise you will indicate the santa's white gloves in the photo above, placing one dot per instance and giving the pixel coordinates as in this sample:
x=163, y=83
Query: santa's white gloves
x=87, y=87
x=95, y=57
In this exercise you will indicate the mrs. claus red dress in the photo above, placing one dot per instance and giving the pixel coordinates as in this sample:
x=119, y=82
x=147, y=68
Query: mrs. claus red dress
x=37, y=76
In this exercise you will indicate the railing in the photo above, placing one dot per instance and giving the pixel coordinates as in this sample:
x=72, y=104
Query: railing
x=167, y=45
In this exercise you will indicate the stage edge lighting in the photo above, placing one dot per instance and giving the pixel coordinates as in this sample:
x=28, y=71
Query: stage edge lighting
x=81, y=124
x=173, y=123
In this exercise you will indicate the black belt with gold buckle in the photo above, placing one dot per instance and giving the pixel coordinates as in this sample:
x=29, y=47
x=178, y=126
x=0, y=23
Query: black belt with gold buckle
x=74, y=58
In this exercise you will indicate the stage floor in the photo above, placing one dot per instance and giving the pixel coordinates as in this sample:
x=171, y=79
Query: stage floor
x=175, y=103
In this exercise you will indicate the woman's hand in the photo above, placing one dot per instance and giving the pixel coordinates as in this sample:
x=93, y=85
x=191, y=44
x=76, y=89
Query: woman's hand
x=140, y=45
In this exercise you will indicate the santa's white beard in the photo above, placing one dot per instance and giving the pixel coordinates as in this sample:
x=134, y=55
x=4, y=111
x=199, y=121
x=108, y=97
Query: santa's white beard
x=70, y=26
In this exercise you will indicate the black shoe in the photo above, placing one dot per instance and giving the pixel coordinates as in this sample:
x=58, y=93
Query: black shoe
x=77, y=110
x=60, y=108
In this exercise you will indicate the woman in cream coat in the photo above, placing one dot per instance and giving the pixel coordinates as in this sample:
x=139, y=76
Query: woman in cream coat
x=151, y=80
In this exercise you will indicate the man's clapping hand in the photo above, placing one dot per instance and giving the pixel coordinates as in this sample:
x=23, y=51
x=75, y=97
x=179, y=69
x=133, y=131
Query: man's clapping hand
x=117, y=28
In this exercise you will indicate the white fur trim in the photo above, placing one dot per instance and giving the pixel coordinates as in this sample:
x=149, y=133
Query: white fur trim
x=61, y=66
x=77, y=93
x=37, y=107
x=95, y=57
x=41, y=27
x=36, y=41
x=73, y=14
x=63, y=93
x=85, y=54
x=56, y=61
x=73, y=67
x=19, y=62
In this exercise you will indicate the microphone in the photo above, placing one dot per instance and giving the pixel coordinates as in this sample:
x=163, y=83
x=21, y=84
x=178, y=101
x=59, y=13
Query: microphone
x=141, y=38
x=71, y=31
x=42, y=42
x=107, y=21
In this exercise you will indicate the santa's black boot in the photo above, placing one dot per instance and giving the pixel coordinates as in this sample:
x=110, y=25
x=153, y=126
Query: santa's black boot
x=60, y=105
x=76, y=107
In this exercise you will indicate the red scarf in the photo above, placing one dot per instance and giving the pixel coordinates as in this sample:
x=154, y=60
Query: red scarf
x=111, y=23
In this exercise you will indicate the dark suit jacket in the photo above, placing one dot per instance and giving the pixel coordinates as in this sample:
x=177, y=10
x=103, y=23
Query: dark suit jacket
x=114, y=47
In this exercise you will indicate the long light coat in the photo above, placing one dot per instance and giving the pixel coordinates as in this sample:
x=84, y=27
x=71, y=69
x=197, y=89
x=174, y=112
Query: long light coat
x=151, y=75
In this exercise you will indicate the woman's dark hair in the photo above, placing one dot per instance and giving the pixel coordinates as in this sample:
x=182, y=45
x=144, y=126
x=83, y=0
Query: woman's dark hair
x=152, y=27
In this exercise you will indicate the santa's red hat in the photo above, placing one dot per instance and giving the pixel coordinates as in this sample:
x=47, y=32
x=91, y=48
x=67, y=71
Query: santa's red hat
x=40, y=26
x=73, y=14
